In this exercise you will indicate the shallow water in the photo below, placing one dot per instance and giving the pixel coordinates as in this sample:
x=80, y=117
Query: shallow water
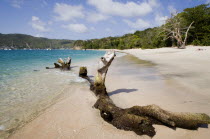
x=27, y=88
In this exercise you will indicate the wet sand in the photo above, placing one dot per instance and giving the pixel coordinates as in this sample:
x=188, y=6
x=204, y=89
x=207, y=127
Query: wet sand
x=130, y=82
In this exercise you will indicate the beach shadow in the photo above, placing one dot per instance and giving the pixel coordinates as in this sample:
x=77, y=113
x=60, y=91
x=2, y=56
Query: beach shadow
x=73, y=67
x=203, y=125
x=91, y=76
x=121, y=91
x=196, y=128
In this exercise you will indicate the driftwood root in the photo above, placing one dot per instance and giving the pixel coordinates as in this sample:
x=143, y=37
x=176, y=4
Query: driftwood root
x=83, y=71
x=64, y=65
x=139, y=119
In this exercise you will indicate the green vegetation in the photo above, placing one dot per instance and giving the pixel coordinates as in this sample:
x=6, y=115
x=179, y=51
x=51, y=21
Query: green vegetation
x=21, y=41
x=200, y=34
x=150, y=38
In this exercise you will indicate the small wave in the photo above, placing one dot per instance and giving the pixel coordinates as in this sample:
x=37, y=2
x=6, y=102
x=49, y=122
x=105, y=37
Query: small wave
x=79, y=80
x=70, y=76
x=20, y=85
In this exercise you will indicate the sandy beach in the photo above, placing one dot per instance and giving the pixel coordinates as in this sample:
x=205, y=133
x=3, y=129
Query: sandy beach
x=175, y=79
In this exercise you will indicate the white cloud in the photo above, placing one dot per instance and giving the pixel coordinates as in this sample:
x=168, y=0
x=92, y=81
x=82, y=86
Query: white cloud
x=17, y=3
x=138, y=24
x=50, y=22
x=108, y=30
x=34, y=18
x=96, y=17
x=67, y=12
x=39, y=35
x=172, y=10
x=93, y=29
x=113, y=22
x=38, y=25
x=160, y=20
x=154, y=3
x=79, y=28
x=207, y=1
x=128, y=9
x=130, y=31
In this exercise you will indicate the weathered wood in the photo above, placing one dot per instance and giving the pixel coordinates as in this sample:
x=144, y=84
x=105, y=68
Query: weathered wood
x=175, y=31
x=64, y=65
x=83, y=71
x=139, y=119
x=185, y=39
x=57, y=65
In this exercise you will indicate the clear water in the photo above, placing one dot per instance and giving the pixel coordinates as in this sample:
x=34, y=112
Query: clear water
x=16, y=62
x=26, y=87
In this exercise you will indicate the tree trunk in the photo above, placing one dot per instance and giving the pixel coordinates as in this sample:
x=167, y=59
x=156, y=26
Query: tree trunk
x=184, y=43
x=137, y=118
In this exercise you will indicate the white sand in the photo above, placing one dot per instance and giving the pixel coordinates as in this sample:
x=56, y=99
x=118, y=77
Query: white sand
x=189, y=65
x=179, y=82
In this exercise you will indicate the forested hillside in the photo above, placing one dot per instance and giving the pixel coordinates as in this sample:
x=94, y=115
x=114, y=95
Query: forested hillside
x=199, y=33
x=21, y=41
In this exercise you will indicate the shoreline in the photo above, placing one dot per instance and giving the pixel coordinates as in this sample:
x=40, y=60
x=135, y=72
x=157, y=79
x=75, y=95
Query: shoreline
x=181, y=64
x=30, y=93
x=141, y=83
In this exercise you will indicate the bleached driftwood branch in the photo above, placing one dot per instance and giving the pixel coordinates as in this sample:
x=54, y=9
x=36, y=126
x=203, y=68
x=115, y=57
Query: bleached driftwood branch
x=103, y=66
x=137, y=118
x=185, y=39
x=64, y=65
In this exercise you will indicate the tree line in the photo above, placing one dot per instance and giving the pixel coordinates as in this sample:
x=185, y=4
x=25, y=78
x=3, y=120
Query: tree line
x=21, y=41
x=199, y=33
x=157, y=37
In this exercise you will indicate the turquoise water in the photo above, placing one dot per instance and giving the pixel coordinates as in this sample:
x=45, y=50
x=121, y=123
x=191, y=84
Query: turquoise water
x=26, y=87
x=16, y=62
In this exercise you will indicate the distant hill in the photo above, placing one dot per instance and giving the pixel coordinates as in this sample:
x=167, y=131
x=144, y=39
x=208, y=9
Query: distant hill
x=21, y=41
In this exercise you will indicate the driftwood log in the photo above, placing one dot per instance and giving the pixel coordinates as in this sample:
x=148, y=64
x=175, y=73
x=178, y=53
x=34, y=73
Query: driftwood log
x=139, y=119
x=64, y=65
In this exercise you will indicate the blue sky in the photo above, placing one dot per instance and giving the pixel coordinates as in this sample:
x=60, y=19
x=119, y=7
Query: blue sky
x=86, y=19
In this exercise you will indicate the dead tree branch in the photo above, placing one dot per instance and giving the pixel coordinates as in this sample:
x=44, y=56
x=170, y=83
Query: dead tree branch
x=139, y=119
x=64, y=65
x=175, y=30
x=183, y=45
